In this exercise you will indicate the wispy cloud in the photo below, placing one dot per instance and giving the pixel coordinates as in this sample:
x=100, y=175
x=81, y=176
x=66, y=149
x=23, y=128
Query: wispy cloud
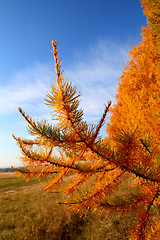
x=26, y=88
x=96, y=75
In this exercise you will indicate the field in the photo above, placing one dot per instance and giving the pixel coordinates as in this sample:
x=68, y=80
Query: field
x=27, y=212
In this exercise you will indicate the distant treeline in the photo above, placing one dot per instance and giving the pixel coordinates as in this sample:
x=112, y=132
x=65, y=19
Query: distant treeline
x=6, y=170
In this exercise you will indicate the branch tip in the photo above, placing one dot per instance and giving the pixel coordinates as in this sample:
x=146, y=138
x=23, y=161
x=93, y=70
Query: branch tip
x=20, y=109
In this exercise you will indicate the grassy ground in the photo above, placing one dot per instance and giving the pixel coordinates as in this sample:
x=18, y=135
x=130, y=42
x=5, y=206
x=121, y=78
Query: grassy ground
x=27, y=212
x=10, y=182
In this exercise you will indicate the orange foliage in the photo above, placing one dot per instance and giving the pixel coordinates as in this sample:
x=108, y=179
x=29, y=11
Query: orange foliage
x=138, y=97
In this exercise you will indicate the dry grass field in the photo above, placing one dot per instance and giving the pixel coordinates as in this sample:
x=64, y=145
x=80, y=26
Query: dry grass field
x=27, y=212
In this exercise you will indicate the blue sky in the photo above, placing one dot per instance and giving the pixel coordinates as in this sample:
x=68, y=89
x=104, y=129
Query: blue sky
x=94, y=37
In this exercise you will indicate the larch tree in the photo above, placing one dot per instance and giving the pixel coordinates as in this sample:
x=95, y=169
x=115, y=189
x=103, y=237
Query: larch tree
x=98, y=167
